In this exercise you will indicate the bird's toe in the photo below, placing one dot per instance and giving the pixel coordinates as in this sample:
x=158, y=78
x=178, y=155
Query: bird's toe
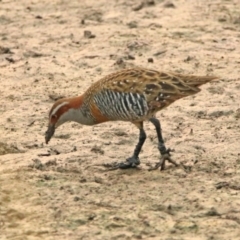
x=161, y=164
x=131, y=162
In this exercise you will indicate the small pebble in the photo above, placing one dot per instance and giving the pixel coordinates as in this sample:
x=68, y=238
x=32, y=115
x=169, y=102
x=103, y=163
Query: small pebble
x=76, y=198
x=138, y=7
x=169, y=5
x=88, y=34
x=150, y=60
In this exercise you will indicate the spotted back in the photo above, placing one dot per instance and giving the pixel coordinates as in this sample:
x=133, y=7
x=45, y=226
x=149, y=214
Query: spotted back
x=141, y=92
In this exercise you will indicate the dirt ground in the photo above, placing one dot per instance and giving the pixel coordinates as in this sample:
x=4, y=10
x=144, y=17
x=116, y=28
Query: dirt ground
x=57, y=48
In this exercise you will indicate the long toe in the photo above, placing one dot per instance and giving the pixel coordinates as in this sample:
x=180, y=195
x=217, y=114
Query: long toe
x=134, y=161
x=131, y=162
x=172, y=162
x=126, y=165
x=161, y=163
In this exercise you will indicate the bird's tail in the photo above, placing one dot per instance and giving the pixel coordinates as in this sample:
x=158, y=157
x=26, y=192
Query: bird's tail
x=196, y=81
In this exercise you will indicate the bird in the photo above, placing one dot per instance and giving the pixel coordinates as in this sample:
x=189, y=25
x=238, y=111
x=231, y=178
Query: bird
x=132, y=95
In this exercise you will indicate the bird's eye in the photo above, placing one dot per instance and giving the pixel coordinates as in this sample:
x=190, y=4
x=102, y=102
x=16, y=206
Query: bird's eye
x=54, y=116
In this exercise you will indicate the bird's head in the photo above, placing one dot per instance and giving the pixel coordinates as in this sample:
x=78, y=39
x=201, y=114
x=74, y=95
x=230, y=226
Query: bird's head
x=60, y=113
x=58, y=110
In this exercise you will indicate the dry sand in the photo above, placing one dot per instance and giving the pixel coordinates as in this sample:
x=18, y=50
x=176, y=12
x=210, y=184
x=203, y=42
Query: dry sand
x=58, y=191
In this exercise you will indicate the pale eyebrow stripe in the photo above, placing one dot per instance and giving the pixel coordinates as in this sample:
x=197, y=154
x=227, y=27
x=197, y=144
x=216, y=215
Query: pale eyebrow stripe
x=57, y=108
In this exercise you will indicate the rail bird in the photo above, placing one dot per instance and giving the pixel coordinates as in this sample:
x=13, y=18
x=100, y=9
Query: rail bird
x=133, y=95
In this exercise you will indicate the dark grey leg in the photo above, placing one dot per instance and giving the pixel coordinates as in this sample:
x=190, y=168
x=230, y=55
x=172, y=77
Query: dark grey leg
x=134, y=160
x=165, y=153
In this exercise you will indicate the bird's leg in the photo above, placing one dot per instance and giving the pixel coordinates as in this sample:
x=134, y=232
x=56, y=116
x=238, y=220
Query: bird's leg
x=165, y=153
x=133, y=161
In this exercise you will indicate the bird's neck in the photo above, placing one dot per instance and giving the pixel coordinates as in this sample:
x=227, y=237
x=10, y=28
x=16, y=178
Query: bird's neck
x=77, y=112
x=75, y=102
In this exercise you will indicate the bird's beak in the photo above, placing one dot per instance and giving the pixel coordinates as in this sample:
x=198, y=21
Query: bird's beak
x=49, y=133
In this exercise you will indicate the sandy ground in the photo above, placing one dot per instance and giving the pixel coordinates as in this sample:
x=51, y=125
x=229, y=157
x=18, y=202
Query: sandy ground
x=58, y=191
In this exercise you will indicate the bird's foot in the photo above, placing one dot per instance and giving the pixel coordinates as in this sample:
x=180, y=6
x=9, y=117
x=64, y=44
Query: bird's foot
x=166, y=156
x=131, y=162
